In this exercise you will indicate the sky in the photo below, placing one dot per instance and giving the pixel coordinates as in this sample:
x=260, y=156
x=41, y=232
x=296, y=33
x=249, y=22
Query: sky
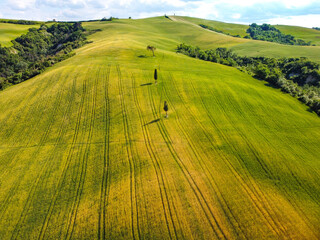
x=290, y=12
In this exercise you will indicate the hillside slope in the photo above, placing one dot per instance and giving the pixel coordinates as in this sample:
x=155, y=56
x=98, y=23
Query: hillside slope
x=306, y=34
x=86, y=152
x=251, y=48
x=9, y=32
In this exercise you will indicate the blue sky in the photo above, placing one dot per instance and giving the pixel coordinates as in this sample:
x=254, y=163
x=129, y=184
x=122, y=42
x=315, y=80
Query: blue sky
x=291, y=12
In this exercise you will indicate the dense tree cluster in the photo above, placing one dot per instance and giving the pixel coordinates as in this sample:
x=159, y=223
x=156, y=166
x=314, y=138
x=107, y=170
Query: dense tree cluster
x=296, y=76
x=266, y=32
x=39, y=48
x=316, y=28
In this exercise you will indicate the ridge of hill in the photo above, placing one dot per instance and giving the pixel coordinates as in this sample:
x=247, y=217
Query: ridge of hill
x=86, y=152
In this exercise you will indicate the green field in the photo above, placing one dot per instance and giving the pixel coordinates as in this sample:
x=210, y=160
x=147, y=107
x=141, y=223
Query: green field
x=252, y=48
x=9, y=31
x=86, y=152
x=306, y=34
x=230, y=28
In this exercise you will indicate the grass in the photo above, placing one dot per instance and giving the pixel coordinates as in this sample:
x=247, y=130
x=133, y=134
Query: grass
x=86, y=152
x=9, y=31
x=253, y=48
x=230, y=28
x=306, y=34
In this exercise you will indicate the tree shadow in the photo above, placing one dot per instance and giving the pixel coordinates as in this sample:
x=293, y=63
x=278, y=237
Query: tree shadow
x=145, y=84
x=153, y=121
x=271, y=85
x=142, y=56
x=310, y=110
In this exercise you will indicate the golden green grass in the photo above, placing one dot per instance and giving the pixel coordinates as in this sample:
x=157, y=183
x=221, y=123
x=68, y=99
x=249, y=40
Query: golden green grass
x=86, y=152
x=252, y=48
x=306, y=34
x=9, y=32
x=230, y=28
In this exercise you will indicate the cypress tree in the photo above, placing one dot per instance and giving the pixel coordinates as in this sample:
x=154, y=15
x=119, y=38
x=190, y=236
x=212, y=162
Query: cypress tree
x=155, y=75
x=165, y=108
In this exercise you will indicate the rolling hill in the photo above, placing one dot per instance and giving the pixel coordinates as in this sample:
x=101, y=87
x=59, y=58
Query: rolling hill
x=246, y=47
x=86, y=152
x=306, y=34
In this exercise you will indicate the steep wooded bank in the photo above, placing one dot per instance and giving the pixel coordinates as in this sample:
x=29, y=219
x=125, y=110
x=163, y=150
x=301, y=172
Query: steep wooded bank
x=31, y=53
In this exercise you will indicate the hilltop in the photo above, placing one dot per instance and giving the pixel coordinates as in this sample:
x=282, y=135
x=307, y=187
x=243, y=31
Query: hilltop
x=86, y=152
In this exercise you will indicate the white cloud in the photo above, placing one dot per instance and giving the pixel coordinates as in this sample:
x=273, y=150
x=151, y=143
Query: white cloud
x=205, y=10
x=293, y=12
x=175, y=3
x=312, y=20
x=236, y=16
x=287, y=3
x=21, y=4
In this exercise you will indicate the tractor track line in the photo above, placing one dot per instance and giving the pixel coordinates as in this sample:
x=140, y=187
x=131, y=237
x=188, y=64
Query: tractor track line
x=195, y=188
x=270, y=173
x=68, y=160
x=222, y=202
x=256, y=189
x=25, y=133
x=106, y=161
x=61, y=133
x=133, y=196
x=25, y=100
x=16, y=185
x=34, y=186
x=204, y=131
x=263, y=211
x=196, y=154
x=76, y=204
x=15, y=134
x=155, y=163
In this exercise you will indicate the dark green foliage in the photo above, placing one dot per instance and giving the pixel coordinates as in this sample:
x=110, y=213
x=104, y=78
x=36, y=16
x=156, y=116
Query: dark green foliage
x=107, y=19
x=165, y=107
x=266, y=32
x=151, y=48
x=316, y=28
x=155, y=74
x=39, y=48
x=297, y=76
x=22, y=22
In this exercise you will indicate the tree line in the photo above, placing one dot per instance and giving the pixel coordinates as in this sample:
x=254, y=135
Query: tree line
x=299, y=77
x=22, y=22
x=39, y=48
